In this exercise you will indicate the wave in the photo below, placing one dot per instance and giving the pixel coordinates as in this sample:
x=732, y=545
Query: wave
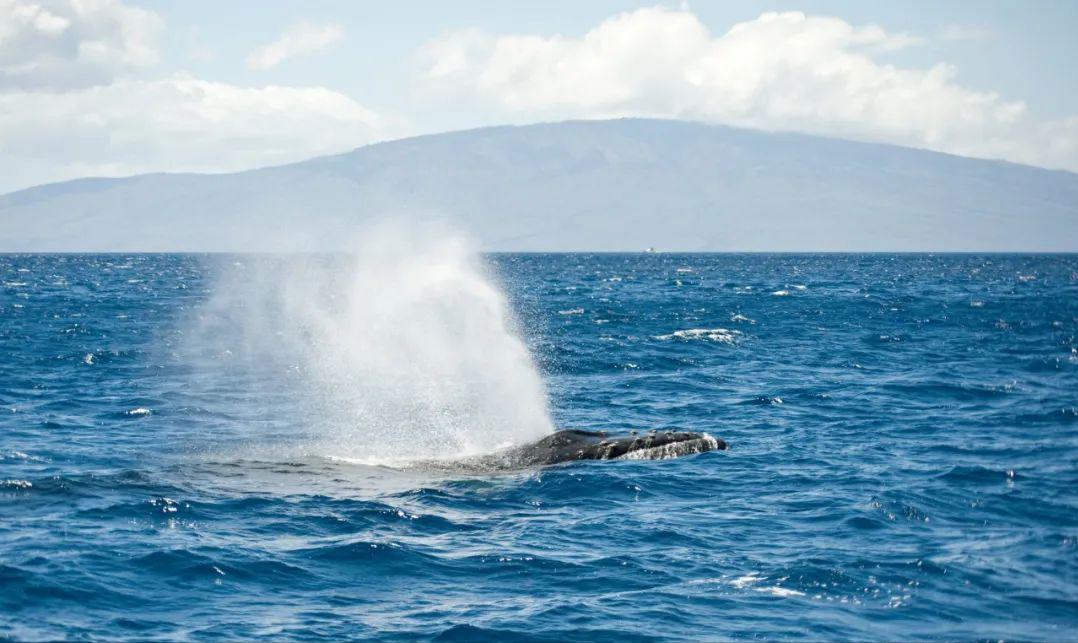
x=721, y=335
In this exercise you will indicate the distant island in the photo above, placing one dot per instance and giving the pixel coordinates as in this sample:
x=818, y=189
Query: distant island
x=615, y=185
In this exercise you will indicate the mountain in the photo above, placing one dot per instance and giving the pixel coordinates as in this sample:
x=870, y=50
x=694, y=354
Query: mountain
x=623, y=184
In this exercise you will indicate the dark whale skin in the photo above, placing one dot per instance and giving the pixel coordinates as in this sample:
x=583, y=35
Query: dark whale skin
x=575, y=444
x=571, y=445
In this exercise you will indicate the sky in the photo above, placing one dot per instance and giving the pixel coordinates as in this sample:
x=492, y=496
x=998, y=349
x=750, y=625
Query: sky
x=115, y=88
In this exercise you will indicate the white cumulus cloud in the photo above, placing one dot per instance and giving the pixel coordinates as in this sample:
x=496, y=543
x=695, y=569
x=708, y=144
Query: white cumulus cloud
x=178, y=123
x=70, y=106
x=57, y=44
x=301, y=40
x=781, y=71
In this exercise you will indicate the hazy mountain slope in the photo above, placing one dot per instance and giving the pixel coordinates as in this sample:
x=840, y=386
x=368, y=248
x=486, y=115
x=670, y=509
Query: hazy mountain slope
x=599, y=185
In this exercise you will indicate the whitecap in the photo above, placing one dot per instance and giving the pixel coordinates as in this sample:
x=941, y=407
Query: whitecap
x=781, y=293
x=779, y=591
x=723, y=335
x=139, y=412
x=167, y=505
x=742, y=582
x=19, y=455
x=572, y=311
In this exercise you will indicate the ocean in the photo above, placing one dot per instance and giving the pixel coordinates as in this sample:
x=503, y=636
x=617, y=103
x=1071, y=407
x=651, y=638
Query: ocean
x=210, y=447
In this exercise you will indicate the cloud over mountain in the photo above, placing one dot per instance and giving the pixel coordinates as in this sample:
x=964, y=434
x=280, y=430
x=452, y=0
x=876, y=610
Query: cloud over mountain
x=781, y=71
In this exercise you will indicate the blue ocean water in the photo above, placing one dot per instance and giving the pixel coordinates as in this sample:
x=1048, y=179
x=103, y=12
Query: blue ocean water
x=903, y=463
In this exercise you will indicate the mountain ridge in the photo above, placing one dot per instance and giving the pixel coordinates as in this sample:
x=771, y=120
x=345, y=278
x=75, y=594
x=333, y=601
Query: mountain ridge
x=623, y=184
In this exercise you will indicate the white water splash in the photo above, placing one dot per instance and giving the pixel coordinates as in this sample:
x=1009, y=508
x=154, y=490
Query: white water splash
x=403, y=350
x=721, y=335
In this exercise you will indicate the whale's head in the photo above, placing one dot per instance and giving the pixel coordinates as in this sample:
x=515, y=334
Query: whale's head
x=671, y=444
x=575, y=444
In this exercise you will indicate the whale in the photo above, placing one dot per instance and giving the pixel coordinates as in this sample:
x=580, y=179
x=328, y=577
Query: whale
x=571, y=445
x=576, y=444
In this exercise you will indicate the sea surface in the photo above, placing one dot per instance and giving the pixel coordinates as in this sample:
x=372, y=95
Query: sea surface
x=903, y=462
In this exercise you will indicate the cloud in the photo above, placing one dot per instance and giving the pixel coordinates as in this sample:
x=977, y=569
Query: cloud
x=70, y=45
x=301, y=40
x=70, y=105
x=781, y=71
x=179, y=123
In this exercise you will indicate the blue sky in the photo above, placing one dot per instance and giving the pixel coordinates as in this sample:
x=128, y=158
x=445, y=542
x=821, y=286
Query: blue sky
x=117, y=88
